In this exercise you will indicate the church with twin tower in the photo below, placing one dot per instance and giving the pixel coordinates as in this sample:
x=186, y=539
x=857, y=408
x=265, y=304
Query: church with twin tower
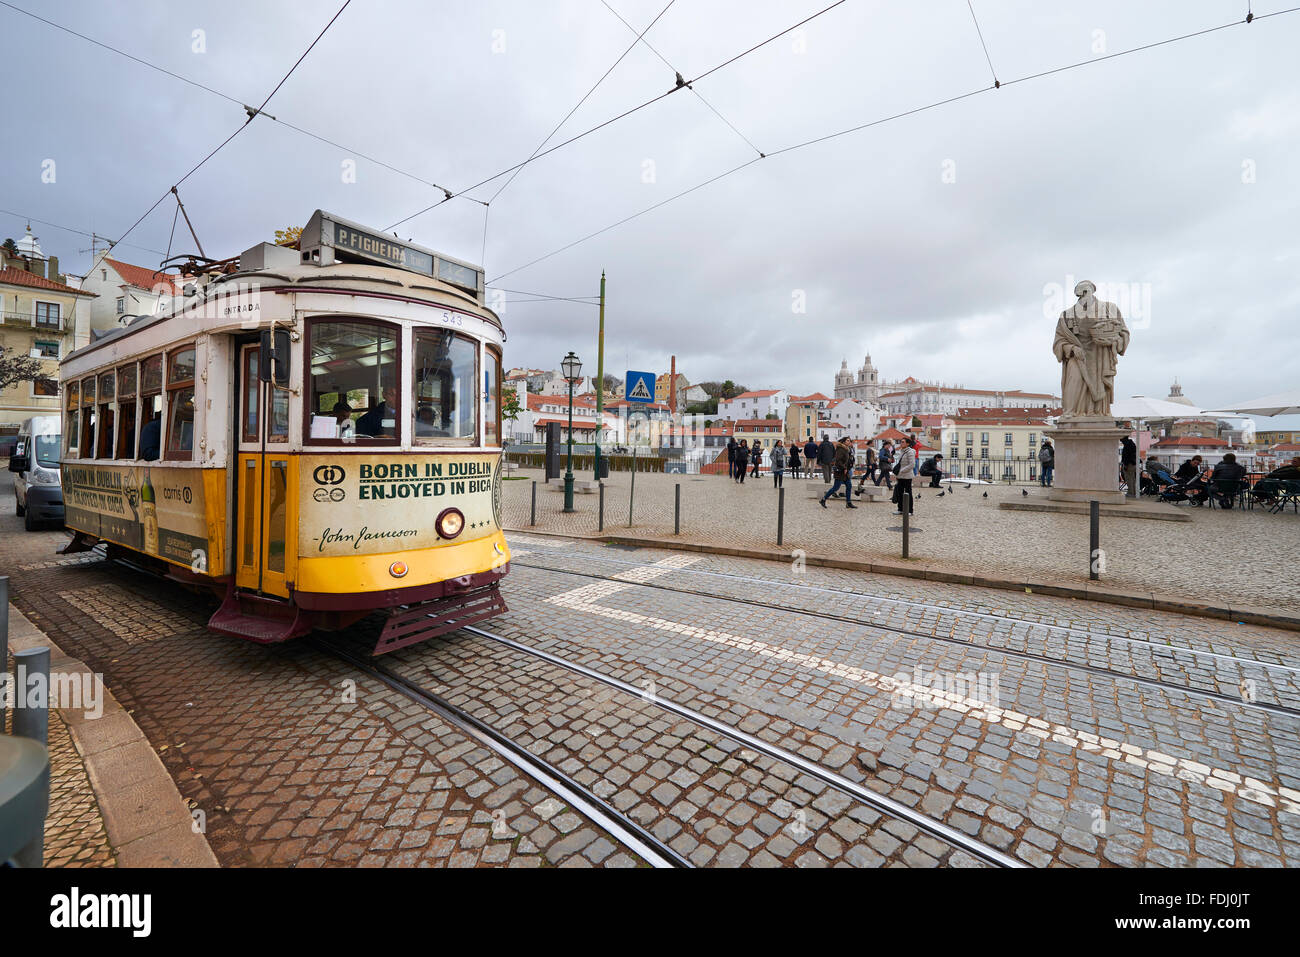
x=863, y=387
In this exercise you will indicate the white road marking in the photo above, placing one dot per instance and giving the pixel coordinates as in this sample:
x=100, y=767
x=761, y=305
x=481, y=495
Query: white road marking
x=584, y=598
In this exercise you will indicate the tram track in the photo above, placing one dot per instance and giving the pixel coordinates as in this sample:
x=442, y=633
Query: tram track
x=857, y=792
x=579, y=798
x=1154, y=684
x=804, y=588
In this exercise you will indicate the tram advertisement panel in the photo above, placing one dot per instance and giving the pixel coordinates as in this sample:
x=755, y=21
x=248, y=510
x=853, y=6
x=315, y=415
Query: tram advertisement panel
x=371, y=504
x=160, y=511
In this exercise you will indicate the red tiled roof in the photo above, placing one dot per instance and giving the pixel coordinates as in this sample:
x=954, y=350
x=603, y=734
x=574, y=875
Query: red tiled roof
x=21, y=277
x=1285, y=447
x=757, y=394
x=1191, y=441
x=815, y=397
x=964, y=423
x=748, y=425
x=144, y=278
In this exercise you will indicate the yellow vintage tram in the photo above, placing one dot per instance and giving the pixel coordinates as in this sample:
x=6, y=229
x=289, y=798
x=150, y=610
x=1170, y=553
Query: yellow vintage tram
x=315, y=433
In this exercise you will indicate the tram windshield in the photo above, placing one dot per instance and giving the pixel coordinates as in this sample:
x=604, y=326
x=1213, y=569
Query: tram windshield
x=444, y=406
x=354, y=395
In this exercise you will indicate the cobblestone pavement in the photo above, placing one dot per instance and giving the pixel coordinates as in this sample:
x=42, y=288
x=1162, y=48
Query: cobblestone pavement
x=292, y=758
x=1061, y=732
x=1073, y=766
x=1243, y=557
x=74, y=827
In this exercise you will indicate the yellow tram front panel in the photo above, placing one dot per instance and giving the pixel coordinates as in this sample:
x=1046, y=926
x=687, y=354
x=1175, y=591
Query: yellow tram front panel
x=172, y=513
x=358, y=514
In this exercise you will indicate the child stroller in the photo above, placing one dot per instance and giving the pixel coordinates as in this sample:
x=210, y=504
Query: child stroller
x=1168, y=488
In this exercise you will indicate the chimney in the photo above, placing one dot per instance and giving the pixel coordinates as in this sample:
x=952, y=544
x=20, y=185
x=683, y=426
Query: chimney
x=672, y=386
x=53, y=273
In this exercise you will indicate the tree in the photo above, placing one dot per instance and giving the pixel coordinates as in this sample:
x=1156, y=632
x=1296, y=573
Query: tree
x=288, y=236
x=916, y=421
x=10, y=246
x=709, y=407
x=18, y=368
x=510, y=404
x=609, y=384
x=771, y=415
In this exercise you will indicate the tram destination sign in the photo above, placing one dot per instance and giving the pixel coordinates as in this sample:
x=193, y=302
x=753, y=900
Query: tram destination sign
x=352, y=241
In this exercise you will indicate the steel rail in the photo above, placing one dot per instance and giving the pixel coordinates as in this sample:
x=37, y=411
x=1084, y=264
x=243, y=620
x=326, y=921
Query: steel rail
x=632, y=835
x=1152, y=683
x=934, y=828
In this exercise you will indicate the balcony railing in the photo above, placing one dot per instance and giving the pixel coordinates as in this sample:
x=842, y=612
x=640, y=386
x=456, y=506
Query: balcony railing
x=25, y=319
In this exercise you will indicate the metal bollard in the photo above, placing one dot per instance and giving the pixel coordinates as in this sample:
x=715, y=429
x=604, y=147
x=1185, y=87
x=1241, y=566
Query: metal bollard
x=1094, y=538
x=532, y=520
x=4, y=647
x=601, y=520
x=631, y=495
x=907, y=526
x=780, y=516
x=677, y=509
x=32, y=721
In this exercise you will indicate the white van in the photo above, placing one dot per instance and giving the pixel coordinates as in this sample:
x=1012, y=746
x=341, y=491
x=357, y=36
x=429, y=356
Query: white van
x=38, y=493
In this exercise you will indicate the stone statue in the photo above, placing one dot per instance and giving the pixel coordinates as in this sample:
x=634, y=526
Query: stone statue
x=1090, y=338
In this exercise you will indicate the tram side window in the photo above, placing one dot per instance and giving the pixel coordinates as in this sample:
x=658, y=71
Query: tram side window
x=126, y=411
x=492, y=398
x=151, y=408
x=87, y=445
x=107, y=407
x=72, y=428
x=445, y=406
x=180, y=403
x=353, y=374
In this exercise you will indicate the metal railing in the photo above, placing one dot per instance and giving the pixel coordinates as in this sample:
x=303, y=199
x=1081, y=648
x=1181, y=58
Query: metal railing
x=28, y=320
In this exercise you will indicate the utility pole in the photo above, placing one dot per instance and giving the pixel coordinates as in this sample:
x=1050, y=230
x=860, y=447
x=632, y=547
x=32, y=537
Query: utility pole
x=600, y=374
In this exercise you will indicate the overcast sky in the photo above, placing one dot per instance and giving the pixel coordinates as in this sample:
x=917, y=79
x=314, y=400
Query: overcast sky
x=928, y=241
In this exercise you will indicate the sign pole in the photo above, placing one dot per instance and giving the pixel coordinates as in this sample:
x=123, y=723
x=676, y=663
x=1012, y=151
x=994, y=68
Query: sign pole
x=600, y=374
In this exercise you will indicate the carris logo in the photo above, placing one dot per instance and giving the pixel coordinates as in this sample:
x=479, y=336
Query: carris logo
x=329, y=474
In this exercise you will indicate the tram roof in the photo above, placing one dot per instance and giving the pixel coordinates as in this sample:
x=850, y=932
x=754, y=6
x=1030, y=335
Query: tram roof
x=358, y=278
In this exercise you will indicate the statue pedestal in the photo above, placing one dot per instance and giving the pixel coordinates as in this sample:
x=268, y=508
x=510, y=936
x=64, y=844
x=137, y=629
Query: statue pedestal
x=1087, y=460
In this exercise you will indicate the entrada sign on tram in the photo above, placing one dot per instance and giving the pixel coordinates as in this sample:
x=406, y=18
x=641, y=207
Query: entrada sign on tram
x=639, y=387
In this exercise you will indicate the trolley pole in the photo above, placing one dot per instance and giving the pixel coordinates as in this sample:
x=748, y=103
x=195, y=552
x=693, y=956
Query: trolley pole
x=1094, y=540
x=780, y=516
x=907, y=528
x=677, y=509
x=600, y=374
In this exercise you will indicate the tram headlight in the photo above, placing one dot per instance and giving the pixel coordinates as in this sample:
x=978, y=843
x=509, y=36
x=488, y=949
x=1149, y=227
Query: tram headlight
x=398, y=569
x=450, y=523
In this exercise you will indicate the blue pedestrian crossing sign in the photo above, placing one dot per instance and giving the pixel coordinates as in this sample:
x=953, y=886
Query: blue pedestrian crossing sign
x=640, y=387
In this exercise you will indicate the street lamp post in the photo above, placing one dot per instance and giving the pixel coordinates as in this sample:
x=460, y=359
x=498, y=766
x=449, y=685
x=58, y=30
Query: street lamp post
x=572, y=368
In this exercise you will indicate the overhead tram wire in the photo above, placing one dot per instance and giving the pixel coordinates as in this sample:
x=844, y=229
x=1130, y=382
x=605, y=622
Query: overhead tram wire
x=681, y=83
x=252, y=114
x=238, y=102
x=888, y=119
x=584, y=99
x=646, y=43
x=980, y=34
x=79, y=232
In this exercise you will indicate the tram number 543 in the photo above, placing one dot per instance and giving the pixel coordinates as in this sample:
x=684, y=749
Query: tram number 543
x=452, y=319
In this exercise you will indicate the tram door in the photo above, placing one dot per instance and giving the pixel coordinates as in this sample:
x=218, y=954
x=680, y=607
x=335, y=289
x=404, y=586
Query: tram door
x=262, y=483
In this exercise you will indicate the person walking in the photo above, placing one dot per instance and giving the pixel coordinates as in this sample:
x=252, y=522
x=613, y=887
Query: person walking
x=906, y=473
x=794, y=458
x=869, y=461
x=810, y=449
x=742, y=461
x=1128, y=461
x=842, y=466
x=886, y=460
x=756, y=456
x=826, y=458
x=731, y=456
x=1047, y=463
x=778, y=464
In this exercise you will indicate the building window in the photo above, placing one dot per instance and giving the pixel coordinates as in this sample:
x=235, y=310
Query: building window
x=1006, y=440
x=970, y=437
x=984, y=453
x=984, y=438
x=72, y=424
x=47, y=349
x=953, y=453
x=1007, y=455
x=969, y=452
x=121, y=305
x=1032, y=443
x=47, y=315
